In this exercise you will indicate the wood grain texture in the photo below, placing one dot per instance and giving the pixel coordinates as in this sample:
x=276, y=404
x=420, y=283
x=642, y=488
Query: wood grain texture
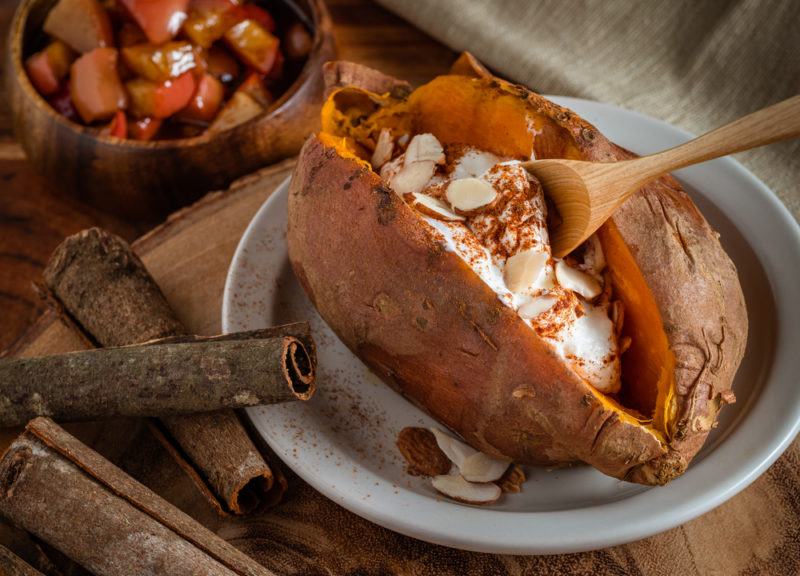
x=757, y=532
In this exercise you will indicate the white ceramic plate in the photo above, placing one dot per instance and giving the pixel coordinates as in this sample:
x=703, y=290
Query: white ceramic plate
x=342, y=441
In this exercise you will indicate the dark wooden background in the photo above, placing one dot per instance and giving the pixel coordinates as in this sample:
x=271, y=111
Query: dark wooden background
x=757, y=532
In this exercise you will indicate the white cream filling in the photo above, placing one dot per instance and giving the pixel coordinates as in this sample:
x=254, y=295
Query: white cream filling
x=581, y=332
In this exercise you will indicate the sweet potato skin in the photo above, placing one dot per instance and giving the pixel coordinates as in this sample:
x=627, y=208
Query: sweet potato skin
x=423, y=321
x=435, y=332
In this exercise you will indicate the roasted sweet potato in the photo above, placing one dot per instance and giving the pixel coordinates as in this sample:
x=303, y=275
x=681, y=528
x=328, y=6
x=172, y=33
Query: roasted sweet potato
x=422, y=317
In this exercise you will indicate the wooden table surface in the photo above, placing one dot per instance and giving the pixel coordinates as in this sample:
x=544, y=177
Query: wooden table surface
x=756, y=532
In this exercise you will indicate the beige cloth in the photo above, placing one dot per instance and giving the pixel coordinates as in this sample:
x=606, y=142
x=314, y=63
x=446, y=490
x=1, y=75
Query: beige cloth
x=696, y=64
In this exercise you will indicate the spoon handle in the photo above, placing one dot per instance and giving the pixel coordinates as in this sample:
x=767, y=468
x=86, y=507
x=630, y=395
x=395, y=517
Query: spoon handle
x=780, y=121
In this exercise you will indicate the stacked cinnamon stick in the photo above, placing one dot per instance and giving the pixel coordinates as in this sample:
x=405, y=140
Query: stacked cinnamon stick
x=151, y=367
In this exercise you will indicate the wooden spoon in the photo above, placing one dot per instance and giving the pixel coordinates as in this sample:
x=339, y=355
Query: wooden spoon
x=587, y=193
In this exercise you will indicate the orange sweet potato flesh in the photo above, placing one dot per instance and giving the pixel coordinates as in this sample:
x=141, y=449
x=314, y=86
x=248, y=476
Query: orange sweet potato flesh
x=432, y=329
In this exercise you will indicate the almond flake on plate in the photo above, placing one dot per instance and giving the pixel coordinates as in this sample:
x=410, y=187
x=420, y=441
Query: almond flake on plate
x=481, y=467
x=461, y=490
x=422, y=453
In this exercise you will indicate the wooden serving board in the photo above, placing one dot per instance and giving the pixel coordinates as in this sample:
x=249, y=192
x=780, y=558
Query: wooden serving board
x=757, y=531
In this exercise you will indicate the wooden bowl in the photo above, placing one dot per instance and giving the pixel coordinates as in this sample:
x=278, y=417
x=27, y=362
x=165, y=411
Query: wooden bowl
x=147, y=180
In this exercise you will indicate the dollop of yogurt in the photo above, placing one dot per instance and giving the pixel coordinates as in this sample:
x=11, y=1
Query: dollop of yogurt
x=507, y=245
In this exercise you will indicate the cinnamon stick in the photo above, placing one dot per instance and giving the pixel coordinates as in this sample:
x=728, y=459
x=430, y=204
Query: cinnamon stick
x=63, y=492
x=102, y=284
x=158, y=378
x=13, y=565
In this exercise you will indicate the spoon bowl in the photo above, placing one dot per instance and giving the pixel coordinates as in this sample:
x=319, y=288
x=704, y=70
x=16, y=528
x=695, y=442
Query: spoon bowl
x=586, y=194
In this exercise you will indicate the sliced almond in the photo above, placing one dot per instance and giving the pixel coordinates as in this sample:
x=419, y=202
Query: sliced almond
x=412, y=177
x=546, y=280
x=577, y=281
x=422, y=453
x=468, y=194
x=424, y=148
x=459, y=489
x=481, y=467
x=512, y=480
x=383, y=149
x=593, y=257
x=537, y=306
x=453, y=448
x=618, y=316
x=473, y=163
x=524, y=269
x=432, y=207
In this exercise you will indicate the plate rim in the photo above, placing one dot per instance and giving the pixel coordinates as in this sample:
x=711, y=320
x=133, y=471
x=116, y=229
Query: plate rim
x=629, y=528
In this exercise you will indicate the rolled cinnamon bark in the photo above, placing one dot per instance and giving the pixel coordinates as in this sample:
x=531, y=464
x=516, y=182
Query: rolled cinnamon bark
x=58, y=489
x=13, y=565
x=106, y=289
x=158, y=378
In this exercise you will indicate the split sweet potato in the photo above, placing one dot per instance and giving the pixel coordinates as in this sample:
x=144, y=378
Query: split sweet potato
x=419, y=315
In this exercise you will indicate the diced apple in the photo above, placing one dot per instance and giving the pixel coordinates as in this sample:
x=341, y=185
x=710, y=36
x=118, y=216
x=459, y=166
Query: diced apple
x=254, y=87
x=61, y=102
x=159, y=63
x=41, y=74
x=151, y=99
x=160, y=20
x=276, y=73
x=206, y=101
x=253, y=44
x=260, y=15
x=118, y=127
x=96, y=89
x=208, y=20
x=238, y=110
x=130, y=34
x=83, y=25
x=222, y=65
x=47, y=68
x=144, y=128
x=297, y=42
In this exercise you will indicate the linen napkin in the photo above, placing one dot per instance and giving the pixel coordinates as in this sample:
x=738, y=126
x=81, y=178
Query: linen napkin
x=695, y=64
